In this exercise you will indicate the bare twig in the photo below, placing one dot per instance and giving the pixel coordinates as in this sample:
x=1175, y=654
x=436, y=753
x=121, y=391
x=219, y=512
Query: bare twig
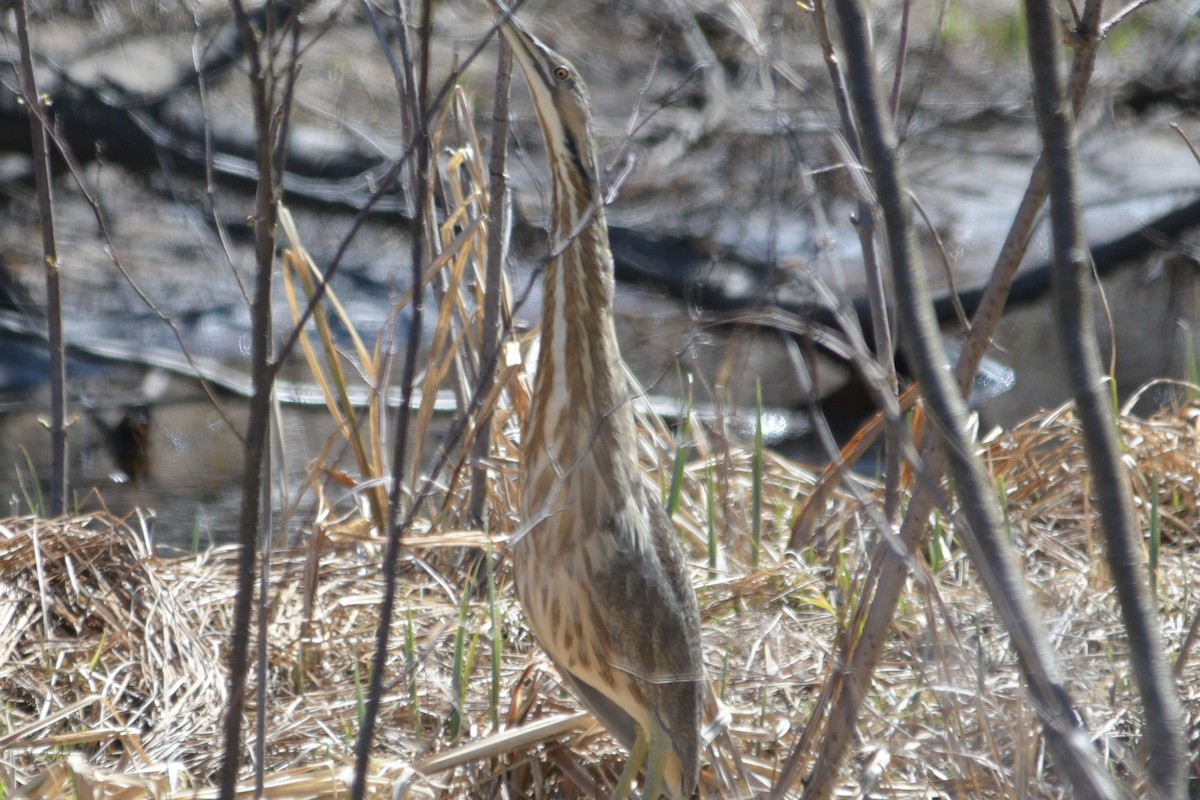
x=988, y=547
x=901, y=58
x=261, y=619
x=497, y=230
x=265, y=525
x=891, y=570
x=40, y=142
x=864, y=227
x=1163, y=716
x=270, y=127
x=418, y=96
x=1121, y=15
x=1191, y=147
x=1189, y=641
x=995, y=294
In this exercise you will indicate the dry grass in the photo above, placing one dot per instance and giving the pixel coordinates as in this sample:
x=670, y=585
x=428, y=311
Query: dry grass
x=110, y=657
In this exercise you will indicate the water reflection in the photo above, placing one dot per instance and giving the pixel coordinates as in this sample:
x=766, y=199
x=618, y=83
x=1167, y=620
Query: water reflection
x=178, y=459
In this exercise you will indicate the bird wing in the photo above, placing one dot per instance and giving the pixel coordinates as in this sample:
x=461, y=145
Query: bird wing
x=644, y=604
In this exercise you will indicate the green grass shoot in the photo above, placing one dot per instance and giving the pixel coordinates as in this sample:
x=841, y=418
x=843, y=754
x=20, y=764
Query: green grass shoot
x=360, y=697
x=410, y=671
x=36, y=504
x=757, y=477
x=710, y=515
x=1155, y=535
x=681, y=456
x=937, y=555
x=459, y=675
x=497, y=642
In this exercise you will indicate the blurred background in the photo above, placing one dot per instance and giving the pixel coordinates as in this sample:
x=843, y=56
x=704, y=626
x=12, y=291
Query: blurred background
x=731, y=201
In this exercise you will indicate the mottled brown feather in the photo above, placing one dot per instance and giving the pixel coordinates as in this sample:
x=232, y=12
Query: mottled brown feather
x=599, y=570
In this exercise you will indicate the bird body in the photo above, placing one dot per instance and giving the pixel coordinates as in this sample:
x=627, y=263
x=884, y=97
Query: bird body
x=599, y=569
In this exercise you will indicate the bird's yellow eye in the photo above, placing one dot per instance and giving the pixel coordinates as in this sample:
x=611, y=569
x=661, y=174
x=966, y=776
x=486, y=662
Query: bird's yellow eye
x=562, y=73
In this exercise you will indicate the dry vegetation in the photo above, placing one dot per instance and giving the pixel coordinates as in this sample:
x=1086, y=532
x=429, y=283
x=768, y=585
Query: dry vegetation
x=112, y=655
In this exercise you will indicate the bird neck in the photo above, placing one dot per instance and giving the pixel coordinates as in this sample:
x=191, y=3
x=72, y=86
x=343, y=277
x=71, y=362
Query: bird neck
x=581, y=423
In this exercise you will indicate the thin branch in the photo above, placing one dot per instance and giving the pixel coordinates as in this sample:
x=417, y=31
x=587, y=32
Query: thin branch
x=40, y=142
x=497, y=231
x=395, y=532
x=864, y=227
x=269, y=123
x=1121, y=15
x=862, y=655
x=989, y=549
x=901, y=58
x=1163, y=716
x=278, y=135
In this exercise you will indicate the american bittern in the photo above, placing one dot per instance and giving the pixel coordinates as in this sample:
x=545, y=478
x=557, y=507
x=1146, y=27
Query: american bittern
x=599, y=570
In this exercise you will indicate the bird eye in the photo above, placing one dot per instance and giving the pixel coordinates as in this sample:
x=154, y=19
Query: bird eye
x=562, y=73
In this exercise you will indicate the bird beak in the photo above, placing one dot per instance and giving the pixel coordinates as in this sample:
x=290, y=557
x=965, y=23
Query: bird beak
x=531, y=54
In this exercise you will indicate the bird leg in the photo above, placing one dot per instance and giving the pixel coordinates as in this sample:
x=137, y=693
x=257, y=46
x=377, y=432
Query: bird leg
x=637, y=757
x=658, y=749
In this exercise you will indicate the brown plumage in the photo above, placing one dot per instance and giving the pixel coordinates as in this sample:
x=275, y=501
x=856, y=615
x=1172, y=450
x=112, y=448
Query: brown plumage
x=599, y=569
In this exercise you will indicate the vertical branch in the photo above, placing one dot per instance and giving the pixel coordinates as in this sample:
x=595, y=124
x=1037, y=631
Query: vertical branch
x=497, y=228
x=901, y=57
x=1085, y=39
x=266, y=523
x=395, y=533
x=1160, y=701
x=862, y=655
x=988, y=548
x=864, y=227
x=40, y=141
x=261, y=618
x=268, y=158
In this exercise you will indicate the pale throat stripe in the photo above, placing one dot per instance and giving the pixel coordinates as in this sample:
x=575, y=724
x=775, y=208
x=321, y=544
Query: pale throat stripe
x=558, y=343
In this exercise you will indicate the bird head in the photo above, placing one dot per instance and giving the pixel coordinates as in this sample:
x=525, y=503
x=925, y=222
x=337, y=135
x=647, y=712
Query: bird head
x=562, y=103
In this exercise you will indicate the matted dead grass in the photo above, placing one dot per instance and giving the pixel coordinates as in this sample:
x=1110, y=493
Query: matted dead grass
x=111, y=657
